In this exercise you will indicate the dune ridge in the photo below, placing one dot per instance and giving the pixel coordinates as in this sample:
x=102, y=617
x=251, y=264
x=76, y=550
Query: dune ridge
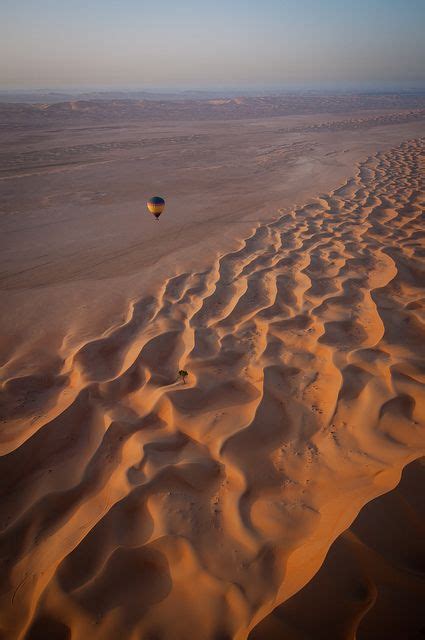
x=372, y=583
x=365, y=122
x=133, y=505
x=95, y=109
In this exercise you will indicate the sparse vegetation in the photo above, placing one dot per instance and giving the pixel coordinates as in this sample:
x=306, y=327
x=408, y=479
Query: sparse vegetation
x=183, y=375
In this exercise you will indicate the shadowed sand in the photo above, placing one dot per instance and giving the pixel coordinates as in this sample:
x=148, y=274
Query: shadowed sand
x=372, y=583
x=149, y=508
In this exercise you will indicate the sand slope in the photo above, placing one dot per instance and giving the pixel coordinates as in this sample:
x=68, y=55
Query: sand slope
x=135, y=506
x=372, y=583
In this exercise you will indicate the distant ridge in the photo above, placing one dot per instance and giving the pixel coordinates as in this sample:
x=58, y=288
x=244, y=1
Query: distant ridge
x=44, y=113
x=48, y=96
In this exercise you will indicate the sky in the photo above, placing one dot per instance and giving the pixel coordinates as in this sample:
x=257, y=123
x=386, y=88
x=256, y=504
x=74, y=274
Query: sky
x=201, y=44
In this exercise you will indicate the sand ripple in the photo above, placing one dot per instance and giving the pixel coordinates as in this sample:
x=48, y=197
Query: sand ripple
x=134, y=506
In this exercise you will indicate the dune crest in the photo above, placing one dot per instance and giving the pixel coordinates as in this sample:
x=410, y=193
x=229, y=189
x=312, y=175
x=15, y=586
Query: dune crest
x=136, y=506
x=372, y=583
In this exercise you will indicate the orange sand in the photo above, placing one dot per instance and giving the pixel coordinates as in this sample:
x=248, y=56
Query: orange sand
x=372, y=583
x=152, y=509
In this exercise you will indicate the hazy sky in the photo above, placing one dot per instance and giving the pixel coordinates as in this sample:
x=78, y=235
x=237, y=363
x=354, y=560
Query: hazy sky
x=214, y=43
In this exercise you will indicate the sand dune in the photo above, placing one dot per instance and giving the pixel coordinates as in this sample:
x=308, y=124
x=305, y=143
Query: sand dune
x=136, y=506
x=372, y=583
x=366, y=122
x=100, y=109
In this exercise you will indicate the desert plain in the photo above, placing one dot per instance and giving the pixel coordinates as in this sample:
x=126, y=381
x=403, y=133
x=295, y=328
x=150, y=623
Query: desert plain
x=276, y=493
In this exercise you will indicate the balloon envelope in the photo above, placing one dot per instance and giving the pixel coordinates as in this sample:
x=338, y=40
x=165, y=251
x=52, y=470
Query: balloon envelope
x=156, y=205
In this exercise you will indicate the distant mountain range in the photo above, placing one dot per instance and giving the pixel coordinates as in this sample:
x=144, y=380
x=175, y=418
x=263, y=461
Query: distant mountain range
x=47, y=96
x=100, y=111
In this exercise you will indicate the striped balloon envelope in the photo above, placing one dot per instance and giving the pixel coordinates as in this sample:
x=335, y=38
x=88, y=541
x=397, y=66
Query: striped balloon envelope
x=156, y=205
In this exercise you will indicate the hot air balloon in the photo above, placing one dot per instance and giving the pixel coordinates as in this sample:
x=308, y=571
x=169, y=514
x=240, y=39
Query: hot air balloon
x=156, y=205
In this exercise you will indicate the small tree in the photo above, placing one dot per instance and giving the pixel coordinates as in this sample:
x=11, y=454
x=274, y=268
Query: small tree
x=183, y=375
